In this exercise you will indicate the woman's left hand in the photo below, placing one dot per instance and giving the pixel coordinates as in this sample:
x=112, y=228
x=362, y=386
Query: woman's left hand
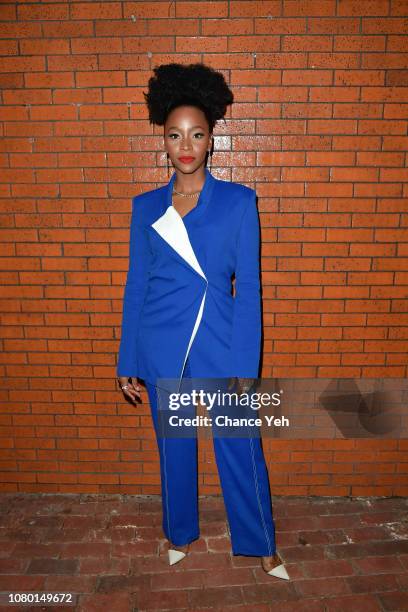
x=242, y=385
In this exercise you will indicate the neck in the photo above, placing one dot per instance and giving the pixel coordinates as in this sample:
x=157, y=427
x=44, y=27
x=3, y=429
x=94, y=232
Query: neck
x=188, y=183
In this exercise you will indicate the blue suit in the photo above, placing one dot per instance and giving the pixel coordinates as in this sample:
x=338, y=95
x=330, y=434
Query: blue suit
x=180, y=320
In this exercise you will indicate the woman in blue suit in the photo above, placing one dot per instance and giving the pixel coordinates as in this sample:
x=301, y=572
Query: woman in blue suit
x=180, y=320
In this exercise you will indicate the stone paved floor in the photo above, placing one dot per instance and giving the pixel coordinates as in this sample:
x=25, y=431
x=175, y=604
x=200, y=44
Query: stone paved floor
x=342, y=555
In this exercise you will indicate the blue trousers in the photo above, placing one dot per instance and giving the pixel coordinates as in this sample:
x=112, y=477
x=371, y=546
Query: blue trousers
x=244, y=481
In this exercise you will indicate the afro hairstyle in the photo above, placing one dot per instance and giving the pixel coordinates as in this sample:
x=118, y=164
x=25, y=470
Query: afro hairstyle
x=192, y=84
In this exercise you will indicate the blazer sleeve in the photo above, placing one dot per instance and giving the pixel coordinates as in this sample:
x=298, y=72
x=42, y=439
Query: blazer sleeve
x=247, y=322
x=134, y=293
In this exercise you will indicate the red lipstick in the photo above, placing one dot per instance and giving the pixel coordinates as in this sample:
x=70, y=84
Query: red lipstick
x=186, y=160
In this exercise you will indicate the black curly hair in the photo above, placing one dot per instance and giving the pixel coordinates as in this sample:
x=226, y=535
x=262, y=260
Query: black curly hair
x=192, y=84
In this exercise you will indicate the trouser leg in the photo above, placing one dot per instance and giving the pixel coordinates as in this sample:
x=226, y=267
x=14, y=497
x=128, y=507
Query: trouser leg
x=245, y=486
x=179, y=480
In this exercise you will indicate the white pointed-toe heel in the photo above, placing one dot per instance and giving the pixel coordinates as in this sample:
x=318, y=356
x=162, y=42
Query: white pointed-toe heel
x=279, y=571
x=175, y=556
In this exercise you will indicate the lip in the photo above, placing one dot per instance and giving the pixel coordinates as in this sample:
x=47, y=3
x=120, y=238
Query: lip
x=186, y=160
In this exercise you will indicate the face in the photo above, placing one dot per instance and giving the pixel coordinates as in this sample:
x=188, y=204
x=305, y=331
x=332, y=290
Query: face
x=186, y=134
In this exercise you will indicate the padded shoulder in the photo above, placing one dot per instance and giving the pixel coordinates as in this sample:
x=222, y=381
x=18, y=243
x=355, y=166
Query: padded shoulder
x=148, y=203
x=231, y=188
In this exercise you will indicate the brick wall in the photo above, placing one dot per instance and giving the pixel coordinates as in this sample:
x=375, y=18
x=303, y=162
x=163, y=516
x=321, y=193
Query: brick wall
x=319, y=128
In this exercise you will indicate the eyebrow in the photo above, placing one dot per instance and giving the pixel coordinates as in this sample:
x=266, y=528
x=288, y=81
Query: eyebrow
x=174, y=127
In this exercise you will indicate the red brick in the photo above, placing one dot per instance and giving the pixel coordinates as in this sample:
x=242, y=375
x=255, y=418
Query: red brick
x=394, y=601
x=371, y=584
x=356, y=602
x=324, y=568
x=353, y=7
x=220, y=596
x=321, y=587
x=310, y=8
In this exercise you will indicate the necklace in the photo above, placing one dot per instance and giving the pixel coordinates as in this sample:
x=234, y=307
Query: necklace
x=187, y=195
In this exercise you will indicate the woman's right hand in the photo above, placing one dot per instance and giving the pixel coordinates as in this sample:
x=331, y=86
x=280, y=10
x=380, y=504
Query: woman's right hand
x=132, y=388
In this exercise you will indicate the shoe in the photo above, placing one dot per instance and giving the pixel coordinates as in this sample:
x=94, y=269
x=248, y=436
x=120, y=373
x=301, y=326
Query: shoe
x=176, y=555
x=278, y=571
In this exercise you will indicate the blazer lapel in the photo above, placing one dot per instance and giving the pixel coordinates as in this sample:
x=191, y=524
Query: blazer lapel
x=172, y=229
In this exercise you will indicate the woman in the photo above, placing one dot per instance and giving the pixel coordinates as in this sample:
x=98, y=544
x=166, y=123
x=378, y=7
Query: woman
x=180, y=319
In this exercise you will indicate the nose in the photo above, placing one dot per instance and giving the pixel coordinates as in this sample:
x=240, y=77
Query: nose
x=185, y=143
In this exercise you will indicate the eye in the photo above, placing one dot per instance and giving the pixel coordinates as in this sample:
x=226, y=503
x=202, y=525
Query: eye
x=199, y=134
x=170, y=135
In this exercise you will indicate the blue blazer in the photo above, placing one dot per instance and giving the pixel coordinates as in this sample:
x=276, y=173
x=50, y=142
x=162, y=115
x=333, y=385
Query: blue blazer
x=177, y=300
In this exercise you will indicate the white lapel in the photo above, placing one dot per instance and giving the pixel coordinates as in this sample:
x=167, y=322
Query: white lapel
x=171, y=228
